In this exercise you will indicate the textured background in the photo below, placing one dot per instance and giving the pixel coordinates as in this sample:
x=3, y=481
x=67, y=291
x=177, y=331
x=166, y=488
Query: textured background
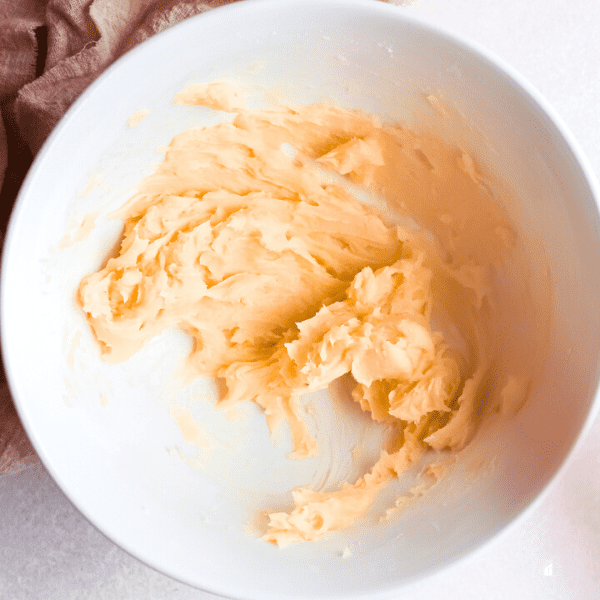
x=48, y=551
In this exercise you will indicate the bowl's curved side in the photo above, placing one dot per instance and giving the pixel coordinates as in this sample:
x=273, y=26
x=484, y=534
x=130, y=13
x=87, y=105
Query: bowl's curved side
x=111, y=461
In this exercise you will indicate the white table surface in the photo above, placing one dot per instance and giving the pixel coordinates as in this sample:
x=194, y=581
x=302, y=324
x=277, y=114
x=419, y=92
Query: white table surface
x=48, y=551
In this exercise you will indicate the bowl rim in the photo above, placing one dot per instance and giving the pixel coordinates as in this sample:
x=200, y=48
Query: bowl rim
x=206, y=19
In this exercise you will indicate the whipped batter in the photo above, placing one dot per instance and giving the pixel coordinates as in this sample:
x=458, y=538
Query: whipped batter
x=286, y=283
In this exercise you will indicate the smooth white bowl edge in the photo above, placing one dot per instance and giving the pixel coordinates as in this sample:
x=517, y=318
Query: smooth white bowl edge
x=222, y=14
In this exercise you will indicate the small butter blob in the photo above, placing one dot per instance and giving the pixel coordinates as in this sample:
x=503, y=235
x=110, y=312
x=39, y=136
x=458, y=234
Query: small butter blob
x=286, y=282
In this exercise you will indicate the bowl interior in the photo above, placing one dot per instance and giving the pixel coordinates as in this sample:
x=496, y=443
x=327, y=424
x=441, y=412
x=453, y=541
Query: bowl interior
x=107, y=433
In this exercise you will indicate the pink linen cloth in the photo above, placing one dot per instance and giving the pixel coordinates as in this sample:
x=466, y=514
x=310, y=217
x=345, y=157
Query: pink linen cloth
x=50, y=51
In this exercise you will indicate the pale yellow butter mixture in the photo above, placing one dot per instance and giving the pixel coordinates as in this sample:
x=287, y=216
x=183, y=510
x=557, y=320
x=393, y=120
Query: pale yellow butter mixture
x=286, y=283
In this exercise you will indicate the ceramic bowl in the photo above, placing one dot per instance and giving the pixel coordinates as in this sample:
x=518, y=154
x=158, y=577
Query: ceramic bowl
x=106, y=432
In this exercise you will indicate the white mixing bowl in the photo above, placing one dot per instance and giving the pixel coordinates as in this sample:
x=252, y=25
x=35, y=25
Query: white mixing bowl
x=104, y=431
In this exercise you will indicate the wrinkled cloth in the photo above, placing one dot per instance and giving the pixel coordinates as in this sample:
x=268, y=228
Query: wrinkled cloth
x=16, y=452
x=50, y=51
